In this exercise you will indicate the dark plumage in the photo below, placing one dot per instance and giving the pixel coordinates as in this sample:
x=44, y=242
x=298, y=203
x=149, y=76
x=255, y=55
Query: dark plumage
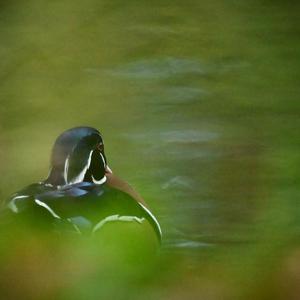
x=75, y=196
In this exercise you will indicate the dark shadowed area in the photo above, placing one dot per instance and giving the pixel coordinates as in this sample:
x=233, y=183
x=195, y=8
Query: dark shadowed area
x=198, y=104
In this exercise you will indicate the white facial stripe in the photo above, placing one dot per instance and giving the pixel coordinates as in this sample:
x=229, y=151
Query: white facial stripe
x=66, y=169
x=40, y=203
x=80, y=176
x=103, y=159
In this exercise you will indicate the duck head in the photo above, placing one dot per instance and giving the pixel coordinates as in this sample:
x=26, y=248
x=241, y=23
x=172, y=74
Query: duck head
x=78, y=155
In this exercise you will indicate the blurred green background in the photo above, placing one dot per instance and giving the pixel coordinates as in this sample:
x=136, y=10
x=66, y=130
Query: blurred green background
x=198, y=103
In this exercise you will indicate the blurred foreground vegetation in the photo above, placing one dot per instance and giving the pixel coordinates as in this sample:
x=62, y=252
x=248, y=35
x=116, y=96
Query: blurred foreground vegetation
x=198, y=105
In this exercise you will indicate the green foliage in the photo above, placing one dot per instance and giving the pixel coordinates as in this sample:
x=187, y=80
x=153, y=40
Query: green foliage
x=198, y=105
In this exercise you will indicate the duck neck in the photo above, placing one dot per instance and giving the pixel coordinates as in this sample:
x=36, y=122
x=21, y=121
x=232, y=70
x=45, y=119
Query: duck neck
x=56, y=177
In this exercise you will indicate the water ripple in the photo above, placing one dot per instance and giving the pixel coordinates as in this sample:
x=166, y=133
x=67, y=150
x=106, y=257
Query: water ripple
x=178, y=182
x=175, y=136
x=188, y=244
x=159, y=68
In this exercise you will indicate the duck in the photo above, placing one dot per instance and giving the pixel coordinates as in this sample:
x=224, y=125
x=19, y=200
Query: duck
x=81, y=194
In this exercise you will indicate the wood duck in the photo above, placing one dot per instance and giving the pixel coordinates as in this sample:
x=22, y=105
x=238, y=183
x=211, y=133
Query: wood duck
x=81, y=193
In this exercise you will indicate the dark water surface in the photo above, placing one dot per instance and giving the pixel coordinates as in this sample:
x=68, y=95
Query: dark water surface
x=198, y=102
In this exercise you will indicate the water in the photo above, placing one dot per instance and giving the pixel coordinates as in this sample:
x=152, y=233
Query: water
x=198, y=105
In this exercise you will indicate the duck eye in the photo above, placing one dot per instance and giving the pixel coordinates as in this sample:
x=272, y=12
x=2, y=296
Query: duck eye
x=100, y=147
